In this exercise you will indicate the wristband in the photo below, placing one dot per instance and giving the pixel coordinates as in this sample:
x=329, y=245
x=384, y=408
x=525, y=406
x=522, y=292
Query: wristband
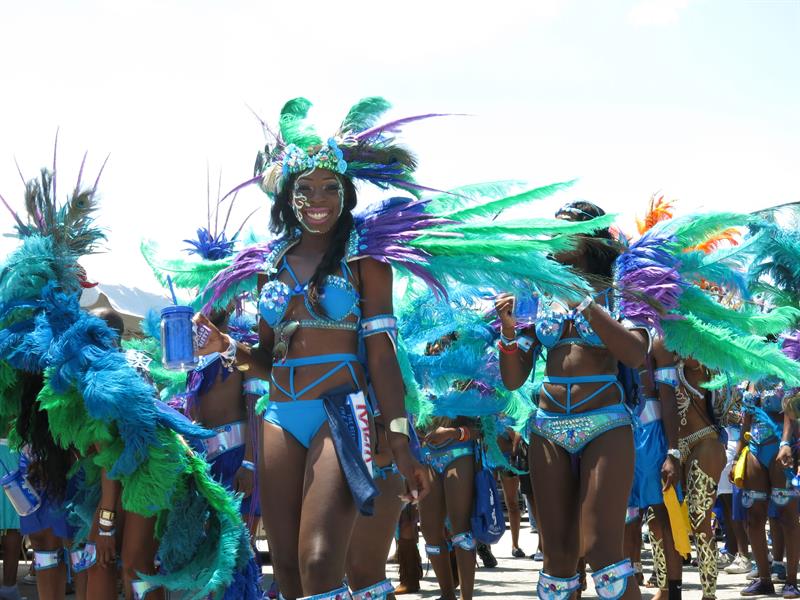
x=674, y=453
x=784, y=443
x=399, y=425
x=105, y=522
x=249, y=465
x=507, y=341
x=584, y=304
x=507, y=349
x=109, y=533
x=107, y=514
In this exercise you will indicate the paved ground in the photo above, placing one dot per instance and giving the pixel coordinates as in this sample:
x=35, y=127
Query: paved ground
x=516, y=578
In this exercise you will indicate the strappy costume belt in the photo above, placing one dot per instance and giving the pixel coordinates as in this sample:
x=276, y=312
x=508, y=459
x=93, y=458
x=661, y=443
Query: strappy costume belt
x=226, y=437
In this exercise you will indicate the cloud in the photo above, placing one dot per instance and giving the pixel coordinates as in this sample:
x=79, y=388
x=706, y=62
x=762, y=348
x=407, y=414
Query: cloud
x=656, y=12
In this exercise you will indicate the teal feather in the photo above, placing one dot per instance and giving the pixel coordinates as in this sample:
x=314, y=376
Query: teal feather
x=293, y=126
x=364, y=115
x=746, y=320
x=494, y=207
x=468, y=195
x=692, y=230
x=185, y=274
x=738, y=356
x=530, y=228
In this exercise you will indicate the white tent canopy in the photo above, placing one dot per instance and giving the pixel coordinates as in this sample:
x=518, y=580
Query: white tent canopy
x=130, y=302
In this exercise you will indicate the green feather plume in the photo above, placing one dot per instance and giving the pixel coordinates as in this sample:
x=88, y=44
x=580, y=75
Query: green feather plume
x=746, y=320
x=733, y=354
x=467, y=195
x=70, y=424
x=495, y=207
x=185, y=274
x=364, y=115
x=293, y=126
x=692, y=230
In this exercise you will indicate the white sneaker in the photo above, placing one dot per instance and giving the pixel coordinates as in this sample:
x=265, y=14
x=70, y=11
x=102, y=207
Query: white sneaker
x=741, y=564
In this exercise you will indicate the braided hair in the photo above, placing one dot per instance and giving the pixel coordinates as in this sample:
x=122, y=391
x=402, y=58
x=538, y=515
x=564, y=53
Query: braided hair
x=283, y=220
x=599, y=248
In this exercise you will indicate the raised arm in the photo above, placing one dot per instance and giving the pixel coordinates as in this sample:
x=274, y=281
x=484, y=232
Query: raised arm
x=516, y=359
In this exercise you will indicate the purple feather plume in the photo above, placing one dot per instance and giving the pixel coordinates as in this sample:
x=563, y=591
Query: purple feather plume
x=648, y=269
x=396, y=126
x=386, y=229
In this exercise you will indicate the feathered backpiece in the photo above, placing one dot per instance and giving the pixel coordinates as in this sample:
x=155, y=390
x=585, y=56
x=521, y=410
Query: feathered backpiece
x=361, y=149
x=70, y=227
x=775, y=270
x=443, y=240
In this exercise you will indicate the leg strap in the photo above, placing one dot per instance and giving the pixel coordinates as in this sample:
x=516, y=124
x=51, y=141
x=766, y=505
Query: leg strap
x=464, y=540
x=675, y=588
x=142, y=588
x=374, y=592
x=432, y=550
x=84, y=558
x=750, y=497
x=47, y=559
x=341, y=593
x=556, y=588
x=782, y=496
x=611, y=582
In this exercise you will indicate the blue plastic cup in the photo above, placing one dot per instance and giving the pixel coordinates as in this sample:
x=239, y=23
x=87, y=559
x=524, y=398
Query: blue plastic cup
x=177, y=338
x=525, y=310
x=20, y=493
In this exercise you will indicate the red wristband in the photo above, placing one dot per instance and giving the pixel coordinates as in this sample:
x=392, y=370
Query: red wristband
x=505, y=349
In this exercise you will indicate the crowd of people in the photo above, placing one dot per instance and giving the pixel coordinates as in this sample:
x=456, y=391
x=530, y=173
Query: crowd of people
x=358, y=377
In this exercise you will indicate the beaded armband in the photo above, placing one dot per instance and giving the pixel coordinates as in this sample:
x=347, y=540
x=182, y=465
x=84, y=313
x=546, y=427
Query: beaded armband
x=381, y=324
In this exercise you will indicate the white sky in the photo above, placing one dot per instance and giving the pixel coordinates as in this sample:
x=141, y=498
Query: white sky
x=696, y=98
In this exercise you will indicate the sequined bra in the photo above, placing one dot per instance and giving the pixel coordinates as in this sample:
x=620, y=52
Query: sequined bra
x=338, y=300
x=550, y=326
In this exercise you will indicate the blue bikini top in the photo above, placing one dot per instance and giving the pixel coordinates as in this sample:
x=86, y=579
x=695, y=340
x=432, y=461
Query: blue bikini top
x=338, y=299
x=550, y=326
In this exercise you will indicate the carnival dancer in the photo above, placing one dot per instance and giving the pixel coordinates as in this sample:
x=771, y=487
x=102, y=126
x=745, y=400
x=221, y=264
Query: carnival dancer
x=97, y=403
x=581, y=442
x=46, y=465
x=326, y=291
x=9, y=527
x=709, y=337
x=768, y=474
x=508, y=440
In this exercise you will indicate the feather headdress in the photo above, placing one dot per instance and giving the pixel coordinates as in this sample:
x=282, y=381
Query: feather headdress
x=361, y=149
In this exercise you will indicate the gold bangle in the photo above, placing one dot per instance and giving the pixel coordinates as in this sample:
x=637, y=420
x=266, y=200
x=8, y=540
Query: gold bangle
x=400, y=425
x=108, y=515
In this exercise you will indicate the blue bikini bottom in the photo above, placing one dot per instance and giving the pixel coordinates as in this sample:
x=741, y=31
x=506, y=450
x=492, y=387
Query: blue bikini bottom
x=573, y=432
x=441, y=458
x=348, y=417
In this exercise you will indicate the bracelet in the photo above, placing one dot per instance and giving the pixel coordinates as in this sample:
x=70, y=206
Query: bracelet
x=674, y=453
x=507, y=341
x=507, y=349
x=465, y=434
x=105, y=522
x=109, y=533
x=584, y=304
x=107, y=514
x=249, y=465
x=399, y=425
x=784, y=443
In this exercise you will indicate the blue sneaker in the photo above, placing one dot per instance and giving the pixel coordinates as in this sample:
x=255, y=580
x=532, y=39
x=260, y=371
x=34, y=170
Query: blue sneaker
x=778, y=571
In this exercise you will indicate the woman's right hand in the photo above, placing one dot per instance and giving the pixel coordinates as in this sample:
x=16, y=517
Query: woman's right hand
x=504, y=306
x=216, y=340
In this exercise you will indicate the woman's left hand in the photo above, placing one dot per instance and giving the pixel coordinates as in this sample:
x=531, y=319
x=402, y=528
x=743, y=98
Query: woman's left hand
x=441, y=435
x=415, y=475
x=243, y=481
x=785, y=458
